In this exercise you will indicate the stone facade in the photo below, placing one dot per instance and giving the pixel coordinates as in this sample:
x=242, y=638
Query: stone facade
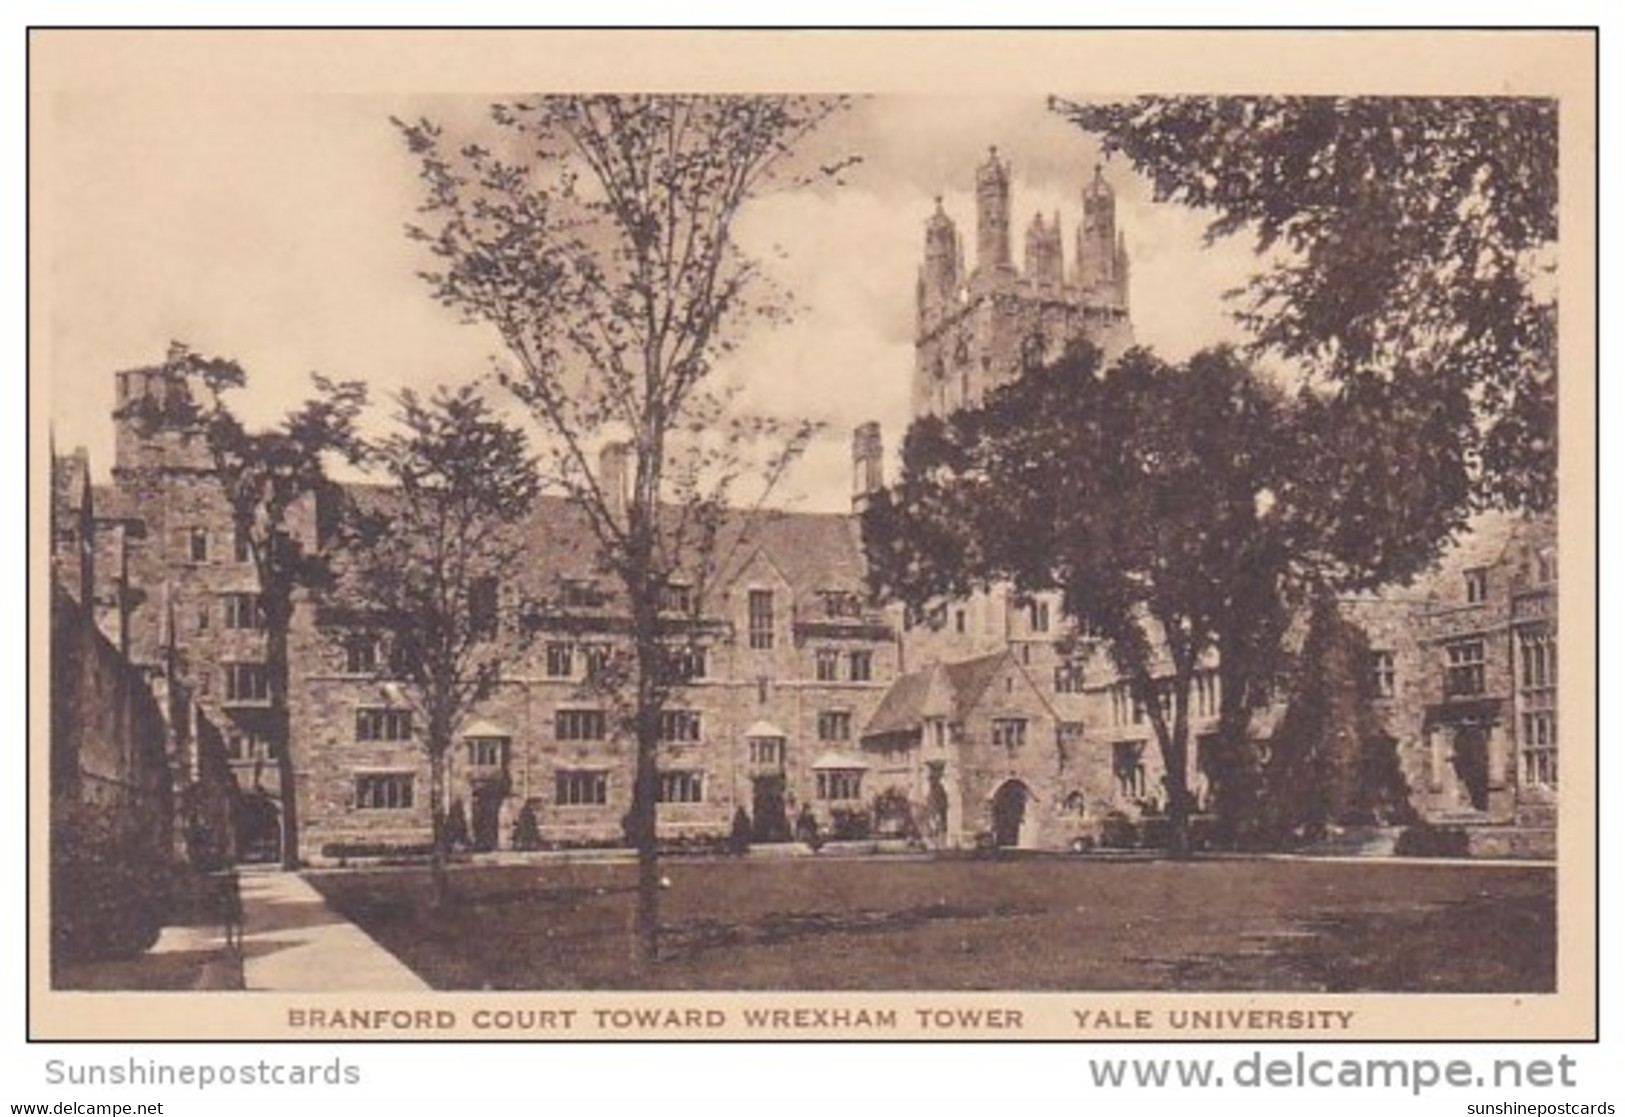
x=988, y=719
x=977, y=323
x=1475, y=737
x=794, y=661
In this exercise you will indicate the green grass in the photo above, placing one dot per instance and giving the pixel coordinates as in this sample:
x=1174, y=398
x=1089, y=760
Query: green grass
x=1020, y=924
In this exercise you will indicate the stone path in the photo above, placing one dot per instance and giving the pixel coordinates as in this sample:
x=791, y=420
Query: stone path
x=294, y=942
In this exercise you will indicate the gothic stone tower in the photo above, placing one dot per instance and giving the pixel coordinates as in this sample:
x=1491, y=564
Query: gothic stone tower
x=974, y=332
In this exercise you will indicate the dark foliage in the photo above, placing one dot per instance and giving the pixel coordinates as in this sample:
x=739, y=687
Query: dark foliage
x=527, y=831
x=1405, y=243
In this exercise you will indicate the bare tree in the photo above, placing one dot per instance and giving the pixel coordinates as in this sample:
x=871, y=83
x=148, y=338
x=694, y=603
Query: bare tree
x=423, y=565
x=596, y=234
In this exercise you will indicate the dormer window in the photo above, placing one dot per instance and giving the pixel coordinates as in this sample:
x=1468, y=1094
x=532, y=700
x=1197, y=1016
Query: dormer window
x=677, y=597
x=1038, y=616
x=1546, y=565
x=1478, y=585
x=579, y=594
x=841, y=603
x=361, y=654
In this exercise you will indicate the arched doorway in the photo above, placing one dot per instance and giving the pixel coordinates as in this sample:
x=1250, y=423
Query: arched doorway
x=259, y=828
x=1471, y=760
x=1010, y=813
x=486, y=824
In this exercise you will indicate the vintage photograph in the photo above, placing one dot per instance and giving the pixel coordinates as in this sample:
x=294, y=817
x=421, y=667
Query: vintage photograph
x=608, y=549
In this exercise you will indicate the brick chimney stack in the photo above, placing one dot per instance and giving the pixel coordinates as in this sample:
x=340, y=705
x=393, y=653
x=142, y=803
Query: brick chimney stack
x=867, y=476
x=615, y=478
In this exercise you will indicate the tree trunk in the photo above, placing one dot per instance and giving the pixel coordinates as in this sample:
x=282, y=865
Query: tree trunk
x=278, y=618
x=1237, y=791
x=437, y=816
x=1178, y=762
x=644, y=827
x=1172, y=741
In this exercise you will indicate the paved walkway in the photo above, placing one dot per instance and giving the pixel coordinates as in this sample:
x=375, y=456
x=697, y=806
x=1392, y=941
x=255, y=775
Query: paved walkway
x=294, y=942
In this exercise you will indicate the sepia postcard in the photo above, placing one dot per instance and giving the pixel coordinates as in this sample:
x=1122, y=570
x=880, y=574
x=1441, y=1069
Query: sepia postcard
x=875, y=535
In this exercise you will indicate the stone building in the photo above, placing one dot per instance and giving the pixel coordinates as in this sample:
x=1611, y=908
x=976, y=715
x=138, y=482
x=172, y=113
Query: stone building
x=987, y=720
x=1464, y=669
x=1463, y=665
x=784, y=661
x=139, y=791
x=974, y=745
x=978, y=322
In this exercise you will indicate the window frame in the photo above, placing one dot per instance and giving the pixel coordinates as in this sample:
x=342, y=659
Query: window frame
x=376, y=724
x=1009, y=733
x=838, y=785
x=1465, y=675
x=585, y=724
x=558, y=660
x=595, y=781
x=234, y=604
x=380, y=785
x=687, y=783
x=1384, y=673
x=867, y=659
x=834, y=725
x=826, y=665
x=760, y=619
x=233, y=675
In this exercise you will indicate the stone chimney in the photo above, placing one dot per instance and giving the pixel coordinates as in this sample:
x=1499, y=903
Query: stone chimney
x=615, y=478
x=867, y=476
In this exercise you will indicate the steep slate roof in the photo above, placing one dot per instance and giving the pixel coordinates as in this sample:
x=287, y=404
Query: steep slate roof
x=903, y=708
x=969, y=679
x=949, y=690
x=814, y=550
x=1483, y=544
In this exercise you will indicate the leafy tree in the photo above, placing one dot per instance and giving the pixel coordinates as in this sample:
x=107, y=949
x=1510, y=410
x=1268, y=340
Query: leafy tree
x=1406, y=244
x=1329, y=761
x=1182, y=511
x=596, y=234
x=268, y=478
x=424, y=565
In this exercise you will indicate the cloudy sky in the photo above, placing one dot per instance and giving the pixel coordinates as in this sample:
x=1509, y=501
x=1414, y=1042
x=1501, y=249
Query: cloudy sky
x=268, y=227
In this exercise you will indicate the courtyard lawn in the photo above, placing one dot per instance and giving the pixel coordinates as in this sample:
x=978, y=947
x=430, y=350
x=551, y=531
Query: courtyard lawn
x=1022, y=923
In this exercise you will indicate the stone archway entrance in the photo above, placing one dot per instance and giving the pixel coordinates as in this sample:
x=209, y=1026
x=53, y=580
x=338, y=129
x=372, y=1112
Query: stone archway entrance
x=1471, y=760
x=1011, y=808
x=768, y=818
x=259, y=828
x=486, y=823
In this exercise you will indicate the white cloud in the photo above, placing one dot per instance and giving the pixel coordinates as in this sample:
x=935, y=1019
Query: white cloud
x=269, y=228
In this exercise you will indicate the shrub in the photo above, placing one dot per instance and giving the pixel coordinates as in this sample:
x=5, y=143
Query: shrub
x=807, y=829
x=345, y=850
x=527, y=832
x=1118, y=831
x=456, y=826
x=739, y=835
x=894, y=815
x=1427, y=840
x=848, y=825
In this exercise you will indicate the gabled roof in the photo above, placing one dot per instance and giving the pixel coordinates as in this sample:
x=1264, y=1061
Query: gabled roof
x=813, y=551
x=946, y=690
x=970, y=678
x=904, y=706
